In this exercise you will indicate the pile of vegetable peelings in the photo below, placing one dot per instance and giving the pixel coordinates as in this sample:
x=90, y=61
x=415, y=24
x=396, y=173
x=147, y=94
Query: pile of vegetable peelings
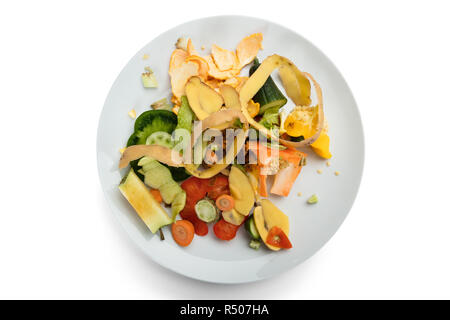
x=209, y=92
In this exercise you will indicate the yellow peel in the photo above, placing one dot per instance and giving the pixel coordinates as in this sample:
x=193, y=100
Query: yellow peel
x=257, y=80
x=160, y=153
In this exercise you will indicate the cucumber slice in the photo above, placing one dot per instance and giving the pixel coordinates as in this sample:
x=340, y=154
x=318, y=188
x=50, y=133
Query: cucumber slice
x=250, y=226
x=169, y=191
x=155, y=173
x=185, y=115
x=148, y=123
x=149, y=80
x=158, y=176
x=254, y=244
x=160, y=138
x=206, y=210
x=145, y=161
x=178, y=203
x=269, y=96
x=162, y=104
x=153, y=121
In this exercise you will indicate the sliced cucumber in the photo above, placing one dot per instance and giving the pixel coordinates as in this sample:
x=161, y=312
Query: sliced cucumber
x=162, y=104
x=269, y=96
x=169, y=191
x=157, y=176
x=254, y=244
x=160, y=138
x=155, y=173
x=185, y=115
x=149, y=80
x=178, y=203
x=250, y=226
x=206, y=210
x=153, y=121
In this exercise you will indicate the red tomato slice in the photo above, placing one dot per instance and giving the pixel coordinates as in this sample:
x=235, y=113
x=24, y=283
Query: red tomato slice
x=200, y=227
x=218, y=186
x=217, y=181
x=188, y=212
x=278, y=238
x=224, y=230
x=195, y=188
x=214, y=194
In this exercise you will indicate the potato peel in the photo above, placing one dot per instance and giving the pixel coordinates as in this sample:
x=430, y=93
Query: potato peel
x=221, y=117
x=160, y=153
x=257, y=80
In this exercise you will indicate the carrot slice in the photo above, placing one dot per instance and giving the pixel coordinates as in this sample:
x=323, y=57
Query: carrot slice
x=157, y=195
x=225, y=202
x=183, y=232
x=263, y=184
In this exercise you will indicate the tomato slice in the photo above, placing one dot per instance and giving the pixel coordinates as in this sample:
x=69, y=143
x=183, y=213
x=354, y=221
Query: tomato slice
x=188, y=213
x=214, y=194
x=278, y=238
x=195, y=188
x=224, y=230
x=217, y=181
x=200, y=227
x=218, y=186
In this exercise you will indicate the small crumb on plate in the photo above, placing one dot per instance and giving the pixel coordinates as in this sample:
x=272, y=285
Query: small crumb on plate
x=299, y=194
x=328, y=163
x=336, y=173
x=145, y=57
x=132, y=113
x=319, y=171
x=122, y=150
x=313, y=199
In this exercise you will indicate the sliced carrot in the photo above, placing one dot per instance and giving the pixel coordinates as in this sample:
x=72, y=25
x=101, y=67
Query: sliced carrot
x=284, y=180
x=263, y=185
x=157, y=195
x=183, y=232
x=292, y=155
x=225, y=202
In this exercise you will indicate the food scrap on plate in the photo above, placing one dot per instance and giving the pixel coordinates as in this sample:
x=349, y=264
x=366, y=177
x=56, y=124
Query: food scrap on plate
x=224, y=145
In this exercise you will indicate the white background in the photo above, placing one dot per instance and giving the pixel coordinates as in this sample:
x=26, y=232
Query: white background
x=58, y=60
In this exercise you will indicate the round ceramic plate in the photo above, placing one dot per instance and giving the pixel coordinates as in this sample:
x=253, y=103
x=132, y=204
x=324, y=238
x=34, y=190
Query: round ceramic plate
x=208, y=258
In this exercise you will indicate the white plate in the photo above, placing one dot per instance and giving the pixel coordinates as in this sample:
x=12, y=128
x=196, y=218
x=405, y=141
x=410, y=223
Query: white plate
x=208, y=258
